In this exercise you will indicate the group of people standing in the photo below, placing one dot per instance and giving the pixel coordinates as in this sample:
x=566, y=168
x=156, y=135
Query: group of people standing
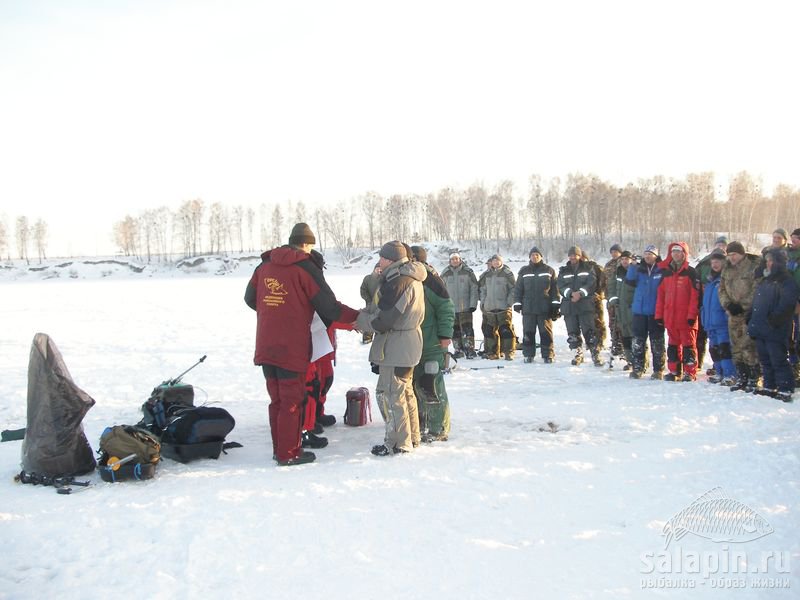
x=745, y=306
x=408, y=320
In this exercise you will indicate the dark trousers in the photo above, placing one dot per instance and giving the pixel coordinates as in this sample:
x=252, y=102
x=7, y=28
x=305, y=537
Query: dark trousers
x=287, y=394
x=582, y=322
x=644, y=326
x=463, y=332
x=774, y=359
x=530, y=325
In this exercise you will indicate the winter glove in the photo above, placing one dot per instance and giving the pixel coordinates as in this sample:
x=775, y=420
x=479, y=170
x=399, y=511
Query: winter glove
x=735, y=308
x=472, y=309
x=375, y=368
x=660, y=322
x=555, y=313
x=690, y=322
x=518, y=308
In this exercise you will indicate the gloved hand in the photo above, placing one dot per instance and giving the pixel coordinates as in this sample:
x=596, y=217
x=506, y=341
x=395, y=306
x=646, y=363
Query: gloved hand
x=518, y=308
x=472, y=309
x=660, y=322
x=555, y=312
x=735, y=308
x=691, y=322
x=375, y=368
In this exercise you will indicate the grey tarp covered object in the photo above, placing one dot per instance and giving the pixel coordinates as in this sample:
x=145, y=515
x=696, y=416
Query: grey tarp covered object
x=55, y=444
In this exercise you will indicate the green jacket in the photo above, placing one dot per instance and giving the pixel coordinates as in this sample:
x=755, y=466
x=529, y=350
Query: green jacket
x=439, y=316
x=620, y=294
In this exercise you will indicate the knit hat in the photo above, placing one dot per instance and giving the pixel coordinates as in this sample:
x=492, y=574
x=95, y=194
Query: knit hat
x=393, y=251
x=718, y=254
x=736, y=247
x=721, y=240
x=796, y=232
x=781, y=232
x=420, y=253
x=496, y=256
x=536, y=250
x=302, y=234
x=651, y=249
x=626, y=254
x=615, y=248
x=576, y=250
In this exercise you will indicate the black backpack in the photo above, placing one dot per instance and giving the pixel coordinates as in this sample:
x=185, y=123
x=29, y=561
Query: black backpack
x=197, y=432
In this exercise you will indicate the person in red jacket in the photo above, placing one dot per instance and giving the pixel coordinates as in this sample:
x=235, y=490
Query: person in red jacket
x=285, y=291
x=677, y=306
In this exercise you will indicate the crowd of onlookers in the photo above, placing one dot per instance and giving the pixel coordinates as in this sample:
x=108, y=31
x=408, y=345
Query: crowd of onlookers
x=740, y=307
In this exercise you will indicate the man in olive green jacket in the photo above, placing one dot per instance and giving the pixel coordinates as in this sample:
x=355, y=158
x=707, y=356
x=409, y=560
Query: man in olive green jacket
x=437, y=330
x=496, y=291
x=397, y=346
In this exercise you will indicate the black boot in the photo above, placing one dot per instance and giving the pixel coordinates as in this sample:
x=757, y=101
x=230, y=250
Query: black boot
x=637, y=358
x=659, y=357
x=742, y=375
x=310, y=440
x=303, y=458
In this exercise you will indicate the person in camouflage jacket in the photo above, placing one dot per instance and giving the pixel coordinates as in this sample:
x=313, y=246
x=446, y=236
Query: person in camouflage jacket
x=736, y=290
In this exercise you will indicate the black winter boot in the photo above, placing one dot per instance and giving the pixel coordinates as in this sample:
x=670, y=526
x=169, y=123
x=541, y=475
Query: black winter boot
x=742, y=375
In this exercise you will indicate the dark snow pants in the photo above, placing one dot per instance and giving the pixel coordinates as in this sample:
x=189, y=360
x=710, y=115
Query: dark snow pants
x=775, y=367
x=530, y=325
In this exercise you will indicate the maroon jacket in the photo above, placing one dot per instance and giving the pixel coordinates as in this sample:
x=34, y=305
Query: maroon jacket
x=678, y=298
x=285, y=290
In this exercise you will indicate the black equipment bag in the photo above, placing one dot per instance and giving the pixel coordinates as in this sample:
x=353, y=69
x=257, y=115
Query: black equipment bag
x=197, y=432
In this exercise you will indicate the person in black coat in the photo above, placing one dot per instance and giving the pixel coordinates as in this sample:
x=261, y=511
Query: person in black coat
x=770, y=324
x=536, y=297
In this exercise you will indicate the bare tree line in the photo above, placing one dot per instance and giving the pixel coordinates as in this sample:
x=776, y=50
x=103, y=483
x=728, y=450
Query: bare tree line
x=24, y=235
x=553, y=214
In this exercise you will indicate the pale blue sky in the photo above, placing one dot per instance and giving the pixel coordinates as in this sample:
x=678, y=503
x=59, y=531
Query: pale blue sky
x=113, y=107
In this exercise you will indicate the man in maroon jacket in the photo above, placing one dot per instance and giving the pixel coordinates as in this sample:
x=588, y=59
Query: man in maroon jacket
x=285, y=291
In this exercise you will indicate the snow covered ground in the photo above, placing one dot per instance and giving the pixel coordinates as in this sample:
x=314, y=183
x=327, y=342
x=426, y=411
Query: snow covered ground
x=510, y=507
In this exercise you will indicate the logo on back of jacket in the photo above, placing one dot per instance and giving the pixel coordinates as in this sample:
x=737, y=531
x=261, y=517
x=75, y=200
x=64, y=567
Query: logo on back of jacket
x=275, y=292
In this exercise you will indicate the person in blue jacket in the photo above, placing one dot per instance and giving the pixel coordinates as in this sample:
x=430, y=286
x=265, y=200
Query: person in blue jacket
x=770, y=324
x=715, y=322
x=645, y=276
